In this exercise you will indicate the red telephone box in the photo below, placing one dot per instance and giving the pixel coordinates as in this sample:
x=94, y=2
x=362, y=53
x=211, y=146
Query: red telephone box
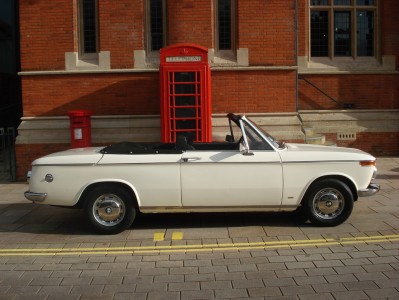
x=185, y=93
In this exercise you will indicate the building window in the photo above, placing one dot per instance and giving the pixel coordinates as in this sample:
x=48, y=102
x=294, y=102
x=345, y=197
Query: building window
x=342, y=28
x=225, y=25
x=88, y=27
x=156, y=25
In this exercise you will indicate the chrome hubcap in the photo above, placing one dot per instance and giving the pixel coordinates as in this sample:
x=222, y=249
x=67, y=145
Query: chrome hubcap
x=109, y=210
x=328, y=203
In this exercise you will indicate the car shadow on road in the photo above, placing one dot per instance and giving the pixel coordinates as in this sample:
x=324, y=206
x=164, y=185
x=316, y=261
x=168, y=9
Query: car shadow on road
x=205, y=220
x=43, y=219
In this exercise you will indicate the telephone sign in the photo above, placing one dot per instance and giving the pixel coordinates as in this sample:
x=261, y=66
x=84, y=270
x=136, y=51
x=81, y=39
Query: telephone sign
x=185, y=93
x=183, y=58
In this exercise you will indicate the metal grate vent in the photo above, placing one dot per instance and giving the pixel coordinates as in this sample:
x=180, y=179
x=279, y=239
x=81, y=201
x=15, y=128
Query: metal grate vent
x=345, y=136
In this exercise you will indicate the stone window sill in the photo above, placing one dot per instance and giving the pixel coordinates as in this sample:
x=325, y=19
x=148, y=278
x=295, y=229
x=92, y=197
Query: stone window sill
x=346, y=64
x=97, y=61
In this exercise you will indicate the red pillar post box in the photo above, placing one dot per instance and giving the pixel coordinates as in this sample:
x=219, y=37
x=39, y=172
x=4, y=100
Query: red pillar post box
x=80, y=124
x=185, y=93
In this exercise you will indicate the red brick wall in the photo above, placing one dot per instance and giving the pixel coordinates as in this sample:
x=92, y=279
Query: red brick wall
x=303, y=28
x=190, y=21
x=267, y=29
x=121, y=30
x=365, y=91
x=104, y=94
x=138, y=93
x=375, y=143
x=389, y=28
x=46, y=33
x=49, y=29
x=252, y=91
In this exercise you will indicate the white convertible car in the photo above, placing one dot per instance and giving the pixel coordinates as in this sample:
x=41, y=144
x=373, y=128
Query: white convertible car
x=250, y=171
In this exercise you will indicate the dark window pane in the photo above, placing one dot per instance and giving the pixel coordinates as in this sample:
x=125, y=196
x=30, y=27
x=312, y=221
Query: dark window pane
x=182, y=89
x=184, y=100
x=224, y=24
x=365, y=2
x=342, y=34
x=186, y=124
x=319, y=2
x=184, y=76
x=365, y=33
x=185, y=113
x=89, y=26
x=319, y=33
x=342, y=2
x=182, y=83
x=156, y=23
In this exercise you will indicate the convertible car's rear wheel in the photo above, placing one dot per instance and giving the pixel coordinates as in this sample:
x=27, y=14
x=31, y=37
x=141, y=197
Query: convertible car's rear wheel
x=329, y=202
x=109, y=209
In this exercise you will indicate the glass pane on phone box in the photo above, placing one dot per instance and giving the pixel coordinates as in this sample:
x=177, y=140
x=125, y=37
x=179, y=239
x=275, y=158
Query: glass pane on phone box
x=185, y=100
x=184, y=76
x=185, y=124
x=185, y=113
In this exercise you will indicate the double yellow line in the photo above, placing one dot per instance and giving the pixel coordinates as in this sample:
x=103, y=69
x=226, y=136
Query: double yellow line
x=198, y=248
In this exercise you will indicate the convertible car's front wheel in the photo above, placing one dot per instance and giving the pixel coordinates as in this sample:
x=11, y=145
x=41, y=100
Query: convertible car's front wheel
x=328, y=202
x=109, y=209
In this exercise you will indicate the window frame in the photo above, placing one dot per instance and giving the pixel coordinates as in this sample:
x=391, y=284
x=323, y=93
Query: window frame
x=148, y=33
x=226, y=53
x=82, y=54
x=353, y=8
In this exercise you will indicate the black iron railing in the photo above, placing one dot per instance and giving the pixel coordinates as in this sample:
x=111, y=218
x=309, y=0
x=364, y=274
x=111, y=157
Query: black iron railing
x=339, y=103
x=7, y=154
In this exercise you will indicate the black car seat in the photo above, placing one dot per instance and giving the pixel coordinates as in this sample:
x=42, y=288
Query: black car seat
x=182, y=143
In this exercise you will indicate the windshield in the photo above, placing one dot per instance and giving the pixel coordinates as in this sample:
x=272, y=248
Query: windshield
x=276, y=143
x=256, y=137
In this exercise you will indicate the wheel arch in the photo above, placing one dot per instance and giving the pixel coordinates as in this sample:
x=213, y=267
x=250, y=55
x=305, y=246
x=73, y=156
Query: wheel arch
x=120, y=184
x=351, y=185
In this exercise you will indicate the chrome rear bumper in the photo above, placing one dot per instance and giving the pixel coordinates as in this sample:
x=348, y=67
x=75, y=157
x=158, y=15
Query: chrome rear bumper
x=371, y=190
x=35, y=197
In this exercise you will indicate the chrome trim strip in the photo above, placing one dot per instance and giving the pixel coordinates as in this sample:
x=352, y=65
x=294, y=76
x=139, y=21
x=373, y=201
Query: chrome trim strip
x=182, y=161
x=35, y=197
x=320, y=161
x=216, y=209
x=64, y=165
x=179, y=161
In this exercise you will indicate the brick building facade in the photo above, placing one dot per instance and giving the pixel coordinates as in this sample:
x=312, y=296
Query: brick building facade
x=332, y=65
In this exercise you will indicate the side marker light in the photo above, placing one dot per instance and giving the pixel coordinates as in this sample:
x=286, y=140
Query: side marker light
x=367, y=163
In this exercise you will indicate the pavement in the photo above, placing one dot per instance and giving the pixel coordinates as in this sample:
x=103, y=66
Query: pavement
x=49, y=253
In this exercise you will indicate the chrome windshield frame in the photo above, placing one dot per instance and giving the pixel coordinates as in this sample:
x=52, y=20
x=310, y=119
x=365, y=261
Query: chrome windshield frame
x=239, y=120
x=244, y=136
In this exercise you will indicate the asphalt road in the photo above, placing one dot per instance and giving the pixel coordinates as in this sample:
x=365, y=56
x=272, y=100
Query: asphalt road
x=49, y=253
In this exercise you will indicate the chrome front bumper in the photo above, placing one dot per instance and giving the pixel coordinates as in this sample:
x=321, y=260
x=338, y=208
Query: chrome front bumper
x=35, y=197
x=371, y=190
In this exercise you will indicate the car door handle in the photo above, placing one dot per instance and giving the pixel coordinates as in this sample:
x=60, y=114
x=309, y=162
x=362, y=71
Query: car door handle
x=190, y=159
